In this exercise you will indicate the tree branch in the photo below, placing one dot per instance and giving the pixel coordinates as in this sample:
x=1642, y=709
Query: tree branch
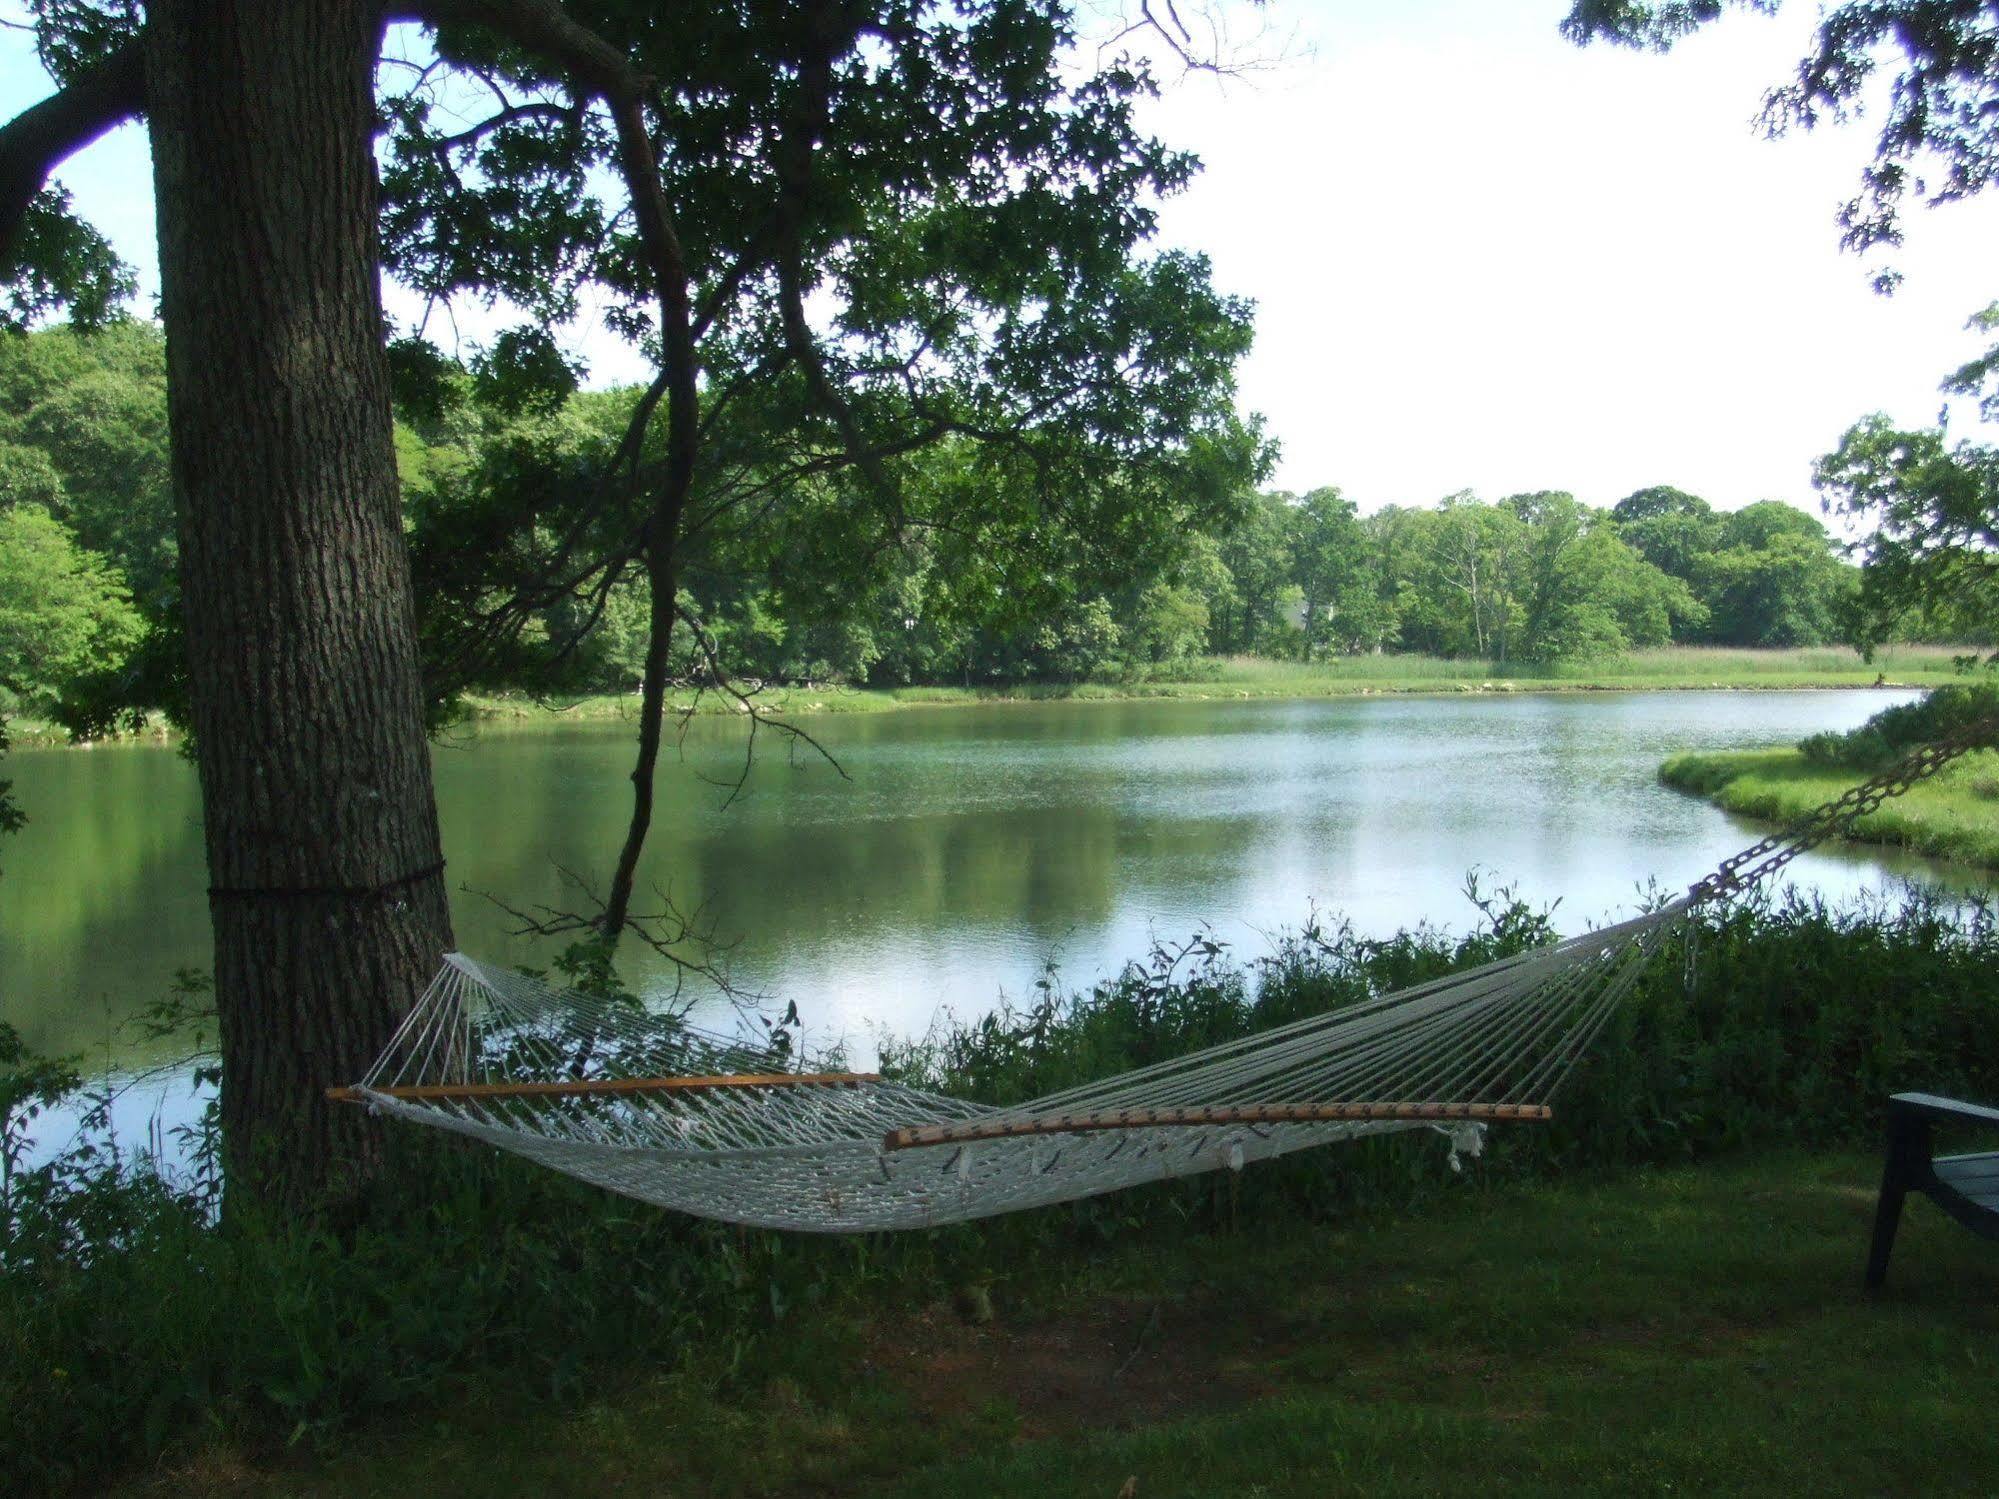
x=596, y=67
x=833, y=29
x=538, y=109
x=542, y=27
x=37, y=140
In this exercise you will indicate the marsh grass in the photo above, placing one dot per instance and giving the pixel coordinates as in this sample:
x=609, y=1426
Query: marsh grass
x=1223, y=677
x=1252, y=677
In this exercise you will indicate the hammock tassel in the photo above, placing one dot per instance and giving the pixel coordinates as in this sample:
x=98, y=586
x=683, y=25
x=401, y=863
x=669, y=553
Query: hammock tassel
x=1467, y=1141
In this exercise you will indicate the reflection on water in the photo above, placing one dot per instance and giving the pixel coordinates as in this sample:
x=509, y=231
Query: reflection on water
x=968, y=848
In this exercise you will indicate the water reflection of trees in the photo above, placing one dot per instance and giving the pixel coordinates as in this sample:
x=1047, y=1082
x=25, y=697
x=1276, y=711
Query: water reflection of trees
x=969, y=846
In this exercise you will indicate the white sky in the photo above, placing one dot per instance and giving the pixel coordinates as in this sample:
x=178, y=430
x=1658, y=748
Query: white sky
x=1484, y=259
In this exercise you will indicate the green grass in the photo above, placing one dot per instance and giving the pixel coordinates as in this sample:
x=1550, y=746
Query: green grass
x=1694, y=1330
x=1252, y=677
x=28, y=732
x=1954, y=816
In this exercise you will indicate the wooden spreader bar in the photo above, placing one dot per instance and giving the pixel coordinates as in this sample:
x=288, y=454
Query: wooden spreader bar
x=1255, y=1113
x=610, y=1085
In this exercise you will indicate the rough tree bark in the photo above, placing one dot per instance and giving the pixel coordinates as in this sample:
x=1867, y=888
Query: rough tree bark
x=321, y=828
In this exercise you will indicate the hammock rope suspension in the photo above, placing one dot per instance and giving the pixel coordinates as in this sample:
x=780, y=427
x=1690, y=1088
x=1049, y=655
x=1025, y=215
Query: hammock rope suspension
x=729, y=1128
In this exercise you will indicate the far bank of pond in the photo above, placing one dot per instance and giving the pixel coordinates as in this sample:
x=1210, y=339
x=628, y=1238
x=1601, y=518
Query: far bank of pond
x=1245, y=678
x=1954, y=816
x=965, y=854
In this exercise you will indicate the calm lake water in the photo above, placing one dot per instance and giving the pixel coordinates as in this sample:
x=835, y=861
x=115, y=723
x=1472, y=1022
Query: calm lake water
x=970, y=848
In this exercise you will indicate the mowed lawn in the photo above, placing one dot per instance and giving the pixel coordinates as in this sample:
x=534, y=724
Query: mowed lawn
x=1953, y=816
x=1694, y=1331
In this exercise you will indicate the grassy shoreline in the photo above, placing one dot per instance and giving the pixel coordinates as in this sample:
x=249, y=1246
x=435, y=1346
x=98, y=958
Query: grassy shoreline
x=1954, y=816
x=1245, y=678
x=1240, y=678
x=1220, y=679
x=1359, y=1318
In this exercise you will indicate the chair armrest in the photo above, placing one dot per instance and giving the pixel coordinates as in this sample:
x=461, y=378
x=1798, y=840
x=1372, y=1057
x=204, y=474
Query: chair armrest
x=1929, y=1106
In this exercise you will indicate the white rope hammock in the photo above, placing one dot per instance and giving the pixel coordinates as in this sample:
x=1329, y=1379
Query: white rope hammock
x=725, y=1128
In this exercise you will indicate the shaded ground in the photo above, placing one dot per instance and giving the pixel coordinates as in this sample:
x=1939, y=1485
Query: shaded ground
x=1700, y=1330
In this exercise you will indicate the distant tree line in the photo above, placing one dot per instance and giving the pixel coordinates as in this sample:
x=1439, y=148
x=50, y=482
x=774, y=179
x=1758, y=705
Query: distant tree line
x=88, y=604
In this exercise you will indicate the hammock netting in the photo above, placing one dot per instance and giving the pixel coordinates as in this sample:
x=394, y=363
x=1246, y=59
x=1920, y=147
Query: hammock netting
x=641, y=1103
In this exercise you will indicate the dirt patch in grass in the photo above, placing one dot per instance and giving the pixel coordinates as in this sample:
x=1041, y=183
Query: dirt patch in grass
x=1123, y=1363
x=1114, y=1364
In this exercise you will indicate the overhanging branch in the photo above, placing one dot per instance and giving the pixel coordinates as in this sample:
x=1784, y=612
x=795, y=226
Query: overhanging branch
x=41, y=137
x=542, y=27
x=545, y=28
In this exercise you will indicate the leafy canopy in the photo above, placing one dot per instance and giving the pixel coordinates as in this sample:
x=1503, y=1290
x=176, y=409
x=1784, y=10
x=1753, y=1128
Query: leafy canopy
x=63, y=610
x=896, y=227
x=1932, y=547
x=904, y=226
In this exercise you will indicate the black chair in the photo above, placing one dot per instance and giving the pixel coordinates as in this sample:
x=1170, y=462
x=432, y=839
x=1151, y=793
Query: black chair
x=1964, y=1186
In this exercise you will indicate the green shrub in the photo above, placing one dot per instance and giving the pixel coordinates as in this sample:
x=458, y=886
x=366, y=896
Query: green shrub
x=1893, y=732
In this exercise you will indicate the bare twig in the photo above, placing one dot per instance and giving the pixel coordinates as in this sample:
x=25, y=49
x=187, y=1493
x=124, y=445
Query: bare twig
x=720, y=680
x=669, y=931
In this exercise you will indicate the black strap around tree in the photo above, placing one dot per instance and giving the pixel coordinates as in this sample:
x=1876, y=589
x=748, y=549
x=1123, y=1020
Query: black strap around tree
x=326, y=892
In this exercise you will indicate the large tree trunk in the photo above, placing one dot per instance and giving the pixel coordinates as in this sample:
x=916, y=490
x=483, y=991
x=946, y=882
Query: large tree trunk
x=328, y=897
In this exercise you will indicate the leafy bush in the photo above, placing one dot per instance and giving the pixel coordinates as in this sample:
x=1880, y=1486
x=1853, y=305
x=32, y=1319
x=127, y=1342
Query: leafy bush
x=131, y=1321
x=1893, y=732
x=64, y=611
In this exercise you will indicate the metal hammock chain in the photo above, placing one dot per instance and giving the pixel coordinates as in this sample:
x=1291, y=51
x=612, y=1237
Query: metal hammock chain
x=1762, y=860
